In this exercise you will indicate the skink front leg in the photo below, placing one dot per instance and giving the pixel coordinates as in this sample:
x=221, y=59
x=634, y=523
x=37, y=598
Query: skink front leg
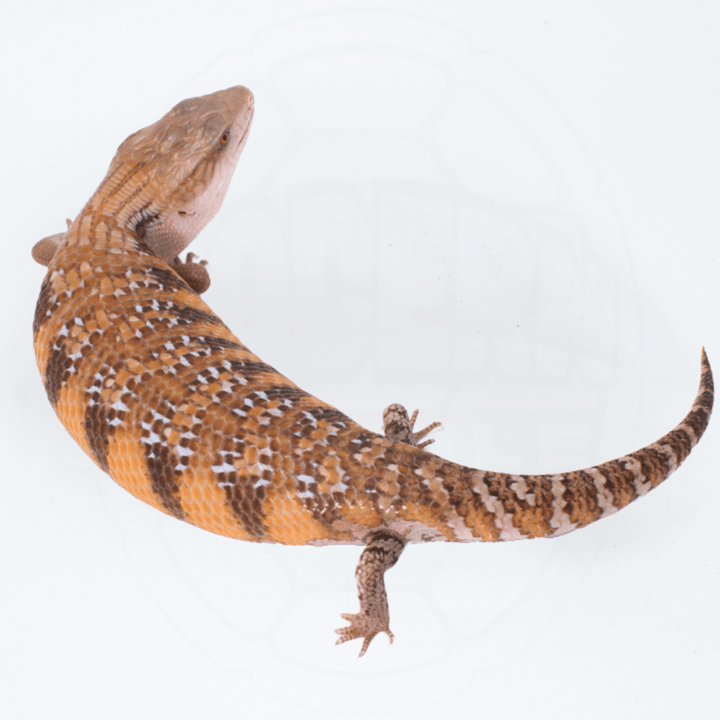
x=44, y=250
x=193, y=271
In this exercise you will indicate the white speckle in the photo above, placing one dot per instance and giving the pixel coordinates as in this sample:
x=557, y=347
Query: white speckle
x=507, y=530
x=462, y=532
x=225, y=467
x=518, y=485
x=153, y=438
x=559, y=520
x=604, y=497
x=667, y=450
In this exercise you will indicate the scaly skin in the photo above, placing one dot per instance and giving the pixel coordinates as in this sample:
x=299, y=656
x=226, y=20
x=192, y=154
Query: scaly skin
x=166, y=400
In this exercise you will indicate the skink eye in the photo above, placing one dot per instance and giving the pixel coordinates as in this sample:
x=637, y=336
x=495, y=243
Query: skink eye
x=225, y=137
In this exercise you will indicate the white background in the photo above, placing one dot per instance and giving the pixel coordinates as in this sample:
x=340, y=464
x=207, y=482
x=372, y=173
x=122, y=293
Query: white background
x=506, y=216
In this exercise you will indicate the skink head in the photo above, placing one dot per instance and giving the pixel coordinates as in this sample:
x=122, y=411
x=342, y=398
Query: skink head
x=168, y=180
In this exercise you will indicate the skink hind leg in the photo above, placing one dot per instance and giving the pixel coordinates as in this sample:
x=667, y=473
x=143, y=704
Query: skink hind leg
x=398, y=426
x=380, y=554
x=382, y=550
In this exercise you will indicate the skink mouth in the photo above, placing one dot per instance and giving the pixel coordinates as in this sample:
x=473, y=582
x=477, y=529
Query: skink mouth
x=243, y=138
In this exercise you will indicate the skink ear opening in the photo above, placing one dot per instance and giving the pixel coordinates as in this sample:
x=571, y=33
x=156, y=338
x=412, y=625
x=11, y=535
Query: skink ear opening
x=143, y=221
